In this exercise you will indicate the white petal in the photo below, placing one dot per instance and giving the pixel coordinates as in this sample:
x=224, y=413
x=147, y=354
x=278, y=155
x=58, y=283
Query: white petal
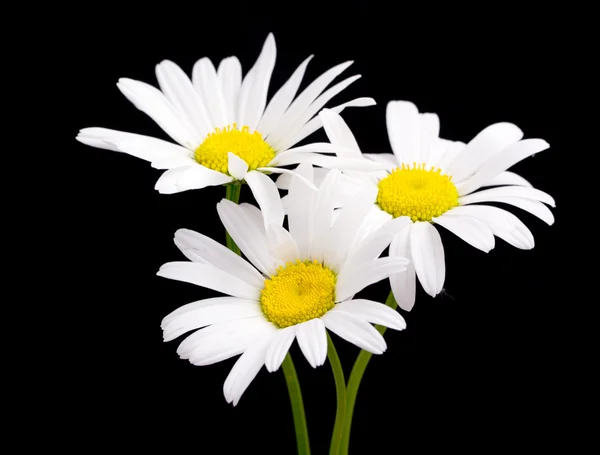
x=211, y=277
x=322, y=218
x=266, y=194
x=312, y=340
x=230, y=77
x=152, y=102
x=305, y=99
x=354, y=279
x=403, y=127
x=315, y=123
x=281, y=244
x=445, y=154
x=355, y=330
x=237, y=332
x=508, y=178
x=501, y=162
x=208, y=86
x=189, y=178
x=403, y=284
x=374, y=312
x=373, y=221
x=508, y=191
x=279, y=347
x=245, y=370
x=429, y=125
x=179, y=90
x=476, y=233
x=207, y=312
x=277, y=170
x=534, y=207
x=253, y=93
x=173, y=162
x=282, y=99
x=502, y=223
x=488, y=143
x=378, y=240
x=339, y=133
x=301, y=210
x=202, y=249
x=388, y=159
x=330, y=162
x=237, y=167
x=144, y=147
x=428, y=257
x=248, y=235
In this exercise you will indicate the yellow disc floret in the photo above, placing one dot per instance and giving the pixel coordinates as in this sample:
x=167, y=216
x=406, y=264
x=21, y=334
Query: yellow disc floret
x=251, y=147
x=417, y=192
x=297, y=293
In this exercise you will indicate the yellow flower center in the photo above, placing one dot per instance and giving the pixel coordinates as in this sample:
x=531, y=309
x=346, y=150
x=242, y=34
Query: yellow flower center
x=250, y=147
x=297, y=293
x=416, y=192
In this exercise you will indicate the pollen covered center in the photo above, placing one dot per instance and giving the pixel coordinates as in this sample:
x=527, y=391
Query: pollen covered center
x=250, y=147
x=417, y=192
x=297, y=293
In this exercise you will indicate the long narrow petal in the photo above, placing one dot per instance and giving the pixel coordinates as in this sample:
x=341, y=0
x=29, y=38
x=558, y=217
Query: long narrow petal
x=403, y=284
x=245, y=370
x=330, y=162
x=208, y=87
x=429, y=126
x=230, y=77
x=189, y=178
x=282, y=245
x=373, y=312
x=323, y=213
x=301, y=210
x=200, y=248
x=403, y=129
x=278, y=170
x=529, y=205
x=211, y=277
x=267, y=196
x=352, y=280
x=508, y=191
x=377, y=241
x=501, y=162
x=312, y=340
x=488, y=143
x=279, y=347
x=237, y=167
x=428, y=257
x=355, y=331
x=388, y=159
x=508, y=178
x=476, y=233
x=338, y=132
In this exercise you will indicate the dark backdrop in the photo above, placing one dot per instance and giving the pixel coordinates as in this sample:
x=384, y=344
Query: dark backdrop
x=471, y=371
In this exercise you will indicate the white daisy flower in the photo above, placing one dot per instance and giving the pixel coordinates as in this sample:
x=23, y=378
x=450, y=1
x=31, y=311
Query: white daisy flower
x=433, y=181
x=297, y=284
x=219, y=121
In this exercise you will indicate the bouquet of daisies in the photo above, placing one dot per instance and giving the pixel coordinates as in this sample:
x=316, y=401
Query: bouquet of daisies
x=294, y=262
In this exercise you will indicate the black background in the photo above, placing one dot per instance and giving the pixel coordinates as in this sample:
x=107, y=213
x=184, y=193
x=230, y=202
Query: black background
x=473, y=369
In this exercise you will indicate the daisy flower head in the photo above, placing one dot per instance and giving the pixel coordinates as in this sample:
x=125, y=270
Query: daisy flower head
x=224, y=129
x=435, y=182
x=295, y=283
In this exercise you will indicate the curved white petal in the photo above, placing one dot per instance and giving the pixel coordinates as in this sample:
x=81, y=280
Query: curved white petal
x=245, y=370
x=236, y=332
x=429, y=126
x=502, y=223
x=179, y=90
x=476, y=233
x=330, y=162
x=501, y=162
x=488, y=143
x=282, y=99
x=278, y=170
x=403, y=127
x=508, y=191
x=339, y=133
x=508, y=178
x=237, y=167
x=353, y=279
x=373, y=221
x=282, y=246
x=322, y=217
x=355, y=331
x=428, y=257
x=200, y=248
x=230, y=77
x=267, y=196
x=529, y=205
x=312, y=340
x=403, y=284
x=253, y=93
x=301, y=210
x=153, y=103
x=189, y=178
x=208, y=87
x=387, y=159
x=378, y=240
x=207, y=312
x=279, y=347
x=373, y=312
x=248, y=235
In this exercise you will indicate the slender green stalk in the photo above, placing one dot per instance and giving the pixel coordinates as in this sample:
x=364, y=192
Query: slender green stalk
x=340, y=389
x=233, y=194
x=354, y=382
x=291, y=379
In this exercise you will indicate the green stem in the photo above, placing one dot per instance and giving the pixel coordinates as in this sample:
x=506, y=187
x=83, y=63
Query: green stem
x=291, y=379
x=354, y=382
x=340, y=389
x=233, y=194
